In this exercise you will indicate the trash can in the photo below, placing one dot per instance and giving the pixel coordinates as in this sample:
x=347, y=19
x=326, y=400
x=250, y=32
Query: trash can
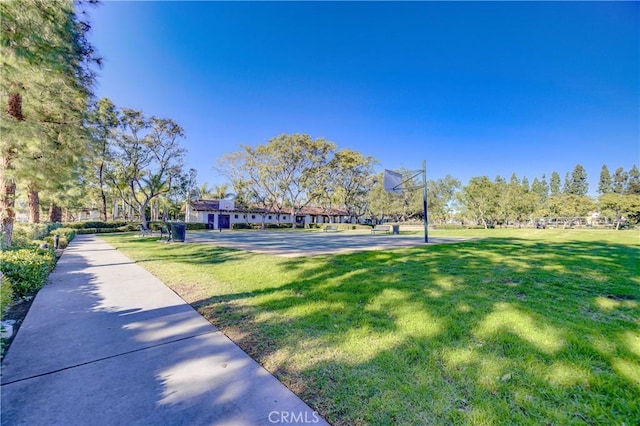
x=178, y=231
x=395, y=229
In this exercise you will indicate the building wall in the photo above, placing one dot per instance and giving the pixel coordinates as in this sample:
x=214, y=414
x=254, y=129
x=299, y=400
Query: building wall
x=257, y=218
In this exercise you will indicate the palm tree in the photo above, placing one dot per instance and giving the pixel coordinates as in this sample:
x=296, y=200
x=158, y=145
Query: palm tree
x=205, y=191
x=222, y=192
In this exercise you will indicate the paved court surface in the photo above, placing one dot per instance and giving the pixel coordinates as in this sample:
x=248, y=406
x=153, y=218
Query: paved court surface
x=301, y=243
x=107, y=343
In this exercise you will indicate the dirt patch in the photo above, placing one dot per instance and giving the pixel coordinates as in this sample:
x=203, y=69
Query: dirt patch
x=17, y=312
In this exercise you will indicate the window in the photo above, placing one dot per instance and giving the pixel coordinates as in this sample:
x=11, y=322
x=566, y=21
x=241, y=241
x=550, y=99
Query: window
x=235, y=216
x=284, y=217
x=253, y=216
x=269, y=217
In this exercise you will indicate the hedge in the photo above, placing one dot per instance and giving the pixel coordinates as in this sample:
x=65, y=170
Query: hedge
x=24, y=232
x=6, y=294
x=96, y=224
x=26, y=269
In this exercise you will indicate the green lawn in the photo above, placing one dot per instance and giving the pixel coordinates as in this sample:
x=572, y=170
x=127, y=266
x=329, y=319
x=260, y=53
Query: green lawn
x=523, y=327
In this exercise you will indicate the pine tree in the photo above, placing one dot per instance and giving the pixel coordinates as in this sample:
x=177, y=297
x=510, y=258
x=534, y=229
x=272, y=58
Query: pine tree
x=46, y=79
x=554, y=185
x=605, y=185
x=566, y=186
x=620, y=178
x=633, y=183
x=577, y=183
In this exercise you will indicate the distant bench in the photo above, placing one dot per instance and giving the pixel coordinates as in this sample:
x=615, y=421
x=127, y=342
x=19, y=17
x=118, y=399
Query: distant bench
x=381, y=228
x=331, y=228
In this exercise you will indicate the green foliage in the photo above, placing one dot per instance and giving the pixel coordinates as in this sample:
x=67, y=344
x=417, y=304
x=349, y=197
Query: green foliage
x=577, y=184
x=605, y=184
x=6, y=295
x=65, y=236
x=196, y=226
x=45, y=84
x=554, y=185
x=33, y=231
x=241, y=226
x=278, y=225
x=95, y=224
x=26, y=269
x=101, y=230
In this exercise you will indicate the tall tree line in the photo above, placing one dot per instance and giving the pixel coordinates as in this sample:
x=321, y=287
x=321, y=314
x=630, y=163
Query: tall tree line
x=45, y=85
x=292, y=171
x=58, y=146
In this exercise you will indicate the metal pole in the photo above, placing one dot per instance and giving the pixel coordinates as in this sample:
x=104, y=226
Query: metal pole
x=424, y=200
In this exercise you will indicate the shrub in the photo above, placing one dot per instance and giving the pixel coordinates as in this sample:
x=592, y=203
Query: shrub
x=33, y=231
x=96, y=224
x=108, y=230
x=6, y=294
x=241, y=226
x=62, y=242
x=196, y=226
x=130, y=227
x=67, y=233
x=86, y=231
x=26, y=269
x=154, y=226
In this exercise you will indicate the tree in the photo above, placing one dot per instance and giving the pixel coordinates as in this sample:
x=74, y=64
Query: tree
x=441, y=195
x=149, y=159
x=633, y=182
x=103, y=124
x=221, y=192
x=570, y=206
x=46, y=78
x=577, y=184
x=383, y=204
x=349, y=176
x=620, y=178
x=540, y=189
x=621, y=206
x=289, y=168
x=605, y=184
x=481, y=199
x=554, y=184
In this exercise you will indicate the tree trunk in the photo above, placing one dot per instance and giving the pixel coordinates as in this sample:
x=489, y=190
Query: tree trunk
x=103, y=196
x=7, y=184
x=143, y=215
x=55, y=213
x=7, y=201
x=34, y=203
x=293, y=218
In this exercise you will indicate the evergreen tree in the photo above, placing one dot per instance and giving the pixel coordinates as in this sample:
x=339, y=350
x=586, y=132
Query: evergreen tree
x=566, y=186
x=605, y=185
x=554, y=185
x=577, y=183
x=620, y=178
x=633, y=183
x=544, y=186
x=45, y=78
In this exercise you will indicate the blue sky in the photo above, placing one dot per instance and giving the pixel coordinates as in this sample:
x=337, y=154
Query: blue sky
x=475, y=88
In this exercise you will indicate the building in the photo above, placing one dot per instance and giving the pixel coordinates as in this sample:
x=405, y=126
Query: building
x=223, y=214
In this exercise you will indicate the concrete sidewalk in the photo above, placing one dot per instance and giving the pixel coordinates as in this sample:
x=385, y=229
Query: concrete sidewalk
x=107, y=343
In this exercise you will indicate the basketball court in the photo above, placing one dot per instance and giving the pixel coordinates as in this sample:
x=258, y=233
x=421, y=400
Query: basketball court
x=305, y=243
